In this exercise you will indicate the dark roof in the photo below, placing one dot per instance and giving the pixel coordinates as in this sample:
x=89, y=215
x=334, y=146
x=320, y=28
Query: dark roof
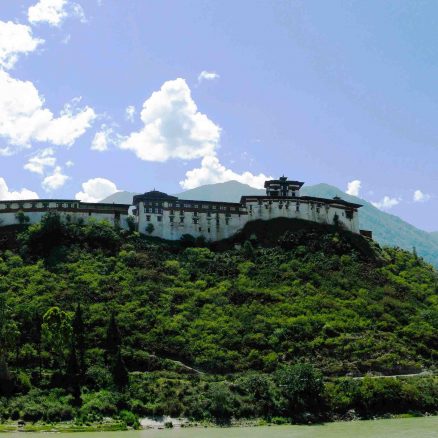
x=335, y=200
x=301, y=198
x=282, y=180
x=153, y=194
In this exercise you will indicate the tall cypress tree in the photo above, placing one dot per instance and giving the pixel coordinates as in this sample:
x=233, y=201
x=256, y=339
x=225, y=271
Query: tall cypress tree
x=113, y=339
x=79, y=339
x=73, y=375
x=120, y=372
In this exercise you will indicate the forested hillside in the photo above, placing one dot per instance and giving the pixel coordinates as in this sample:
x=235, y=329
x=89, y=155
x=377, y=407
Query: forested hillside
x=98, y=322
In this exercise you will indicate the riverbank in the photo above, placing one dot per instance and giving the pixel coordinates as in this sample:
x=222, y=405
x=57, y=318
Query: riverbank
x=165, y=422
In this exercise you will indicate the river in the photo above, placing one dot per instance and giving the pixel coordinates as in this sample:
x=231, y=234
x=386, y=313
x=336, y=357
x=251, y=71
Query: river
x=425, y=427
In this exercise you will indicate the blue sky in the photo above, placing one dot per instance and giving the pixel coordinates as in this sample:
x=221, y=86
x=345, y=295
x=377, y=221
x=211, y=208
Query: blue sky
x=337, y=92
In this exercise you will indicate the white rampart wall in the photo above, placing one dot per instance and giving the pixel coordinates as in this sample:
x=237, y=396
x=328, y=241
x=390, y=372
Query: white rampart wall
x=9, y=217
x=325, y=214
x=217, y=226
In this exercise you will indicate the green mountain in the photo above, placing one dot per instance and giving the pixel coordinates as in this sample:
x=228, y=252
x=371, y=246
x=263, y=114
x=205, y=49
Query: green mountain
x=387, y=229
x=98, y=322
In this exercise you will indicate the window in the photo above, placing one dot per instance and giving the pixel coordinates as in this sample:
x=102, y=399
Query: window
x=208, y=230
x=171, y=219
x=204, y=206
x=195, y=213
x=213, y=207
x=186, y=205
x=349, y=214
x=148, y=218
x=195, y=206
x=208, y=214
x=298, y=207
x=181, y=212
x=227, y=221
x=159, y=218
x=181, y=220
x=200, y=228
x=195, y=220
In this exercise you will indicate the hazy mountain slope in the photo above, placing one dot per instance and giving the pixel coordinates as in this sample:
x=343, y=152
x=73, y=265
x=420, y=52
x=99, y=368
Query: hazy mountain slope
x=229, y=191
x=119, y=198
x=387, y=228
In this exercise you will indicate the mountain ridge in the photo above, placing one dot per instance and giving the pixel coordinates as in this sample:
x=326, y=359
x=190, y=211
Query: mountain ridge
x=388, y=229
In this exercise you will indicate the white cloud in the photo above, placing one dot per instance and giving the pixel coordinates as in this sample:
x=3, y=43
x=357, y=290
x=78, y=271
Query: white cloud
x=5, y=194
x=69, y=163
x=386, y=203
x=130, y=113
x=23, y=117
x=54, y=181
x=353, y=187
x=212, y=171
x=54, y=12
x=42, y=159
x=419, y=196
x=207, y=76
x=102, y=139
x=96, y=189
x=14, y=39
x=173, y=127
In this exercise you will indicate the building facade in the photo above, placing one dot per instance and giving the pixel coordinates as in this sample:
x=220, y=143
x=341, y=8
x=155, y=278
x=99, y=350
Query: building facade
x=12, y=212
x=168, y=217
x=161, y=215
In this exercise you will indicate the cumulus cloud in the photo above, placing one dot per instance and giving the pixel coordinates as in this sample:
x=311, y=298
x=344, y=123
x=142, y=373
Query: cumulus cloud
x=54, y=181
x=40, y=161
x=353, y=187
x=419, y=196
x=23, y=117
x=15, y=39
x=69, y=163
x=96, y=189
x=5, y=194
x=207, y=76
x=102, y=139
x=212, y=171
x=53, y=12
x=173, y=127
x=130, y=113
x=386, y=203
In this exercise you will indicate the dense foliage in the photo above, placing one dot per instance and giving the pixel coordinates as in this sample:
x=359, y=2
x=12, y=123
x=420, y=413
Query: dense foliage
x=98, y=322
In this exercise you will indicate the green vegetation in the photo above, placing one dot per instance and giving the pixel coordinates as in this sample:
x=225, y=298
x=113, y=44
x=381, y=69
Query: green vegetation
x=97, y=322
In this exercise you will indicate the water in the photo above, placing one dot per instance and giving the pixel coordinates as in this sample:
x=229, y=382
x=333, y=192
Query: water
x=426, y=427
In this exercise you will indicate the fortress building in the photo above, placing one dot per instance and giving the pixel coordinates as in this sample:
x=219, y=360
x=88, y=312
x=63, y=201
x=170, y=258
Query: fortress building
x=161, y=215
x=168, y=217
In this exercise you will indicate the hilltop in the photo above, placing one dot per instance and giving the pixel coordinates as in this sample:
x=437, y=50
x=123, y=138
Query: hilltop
x=387, y=229
x=268, y=329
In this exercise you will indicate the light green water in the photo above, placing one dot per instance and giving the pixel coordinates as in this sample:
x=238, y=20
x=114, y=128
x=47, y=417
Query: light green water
x=426, y=427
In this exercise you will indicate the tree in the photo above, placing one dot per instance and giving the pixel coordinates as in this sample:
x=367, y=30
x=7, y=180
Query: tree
x=22, y=218
x=248, y=250
x=130, y=221
x=302, y=387
x=56, y=334
x=79, y=338
x=113, y=339
x=8, y=337
x=119, y=371
x=73, y=375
